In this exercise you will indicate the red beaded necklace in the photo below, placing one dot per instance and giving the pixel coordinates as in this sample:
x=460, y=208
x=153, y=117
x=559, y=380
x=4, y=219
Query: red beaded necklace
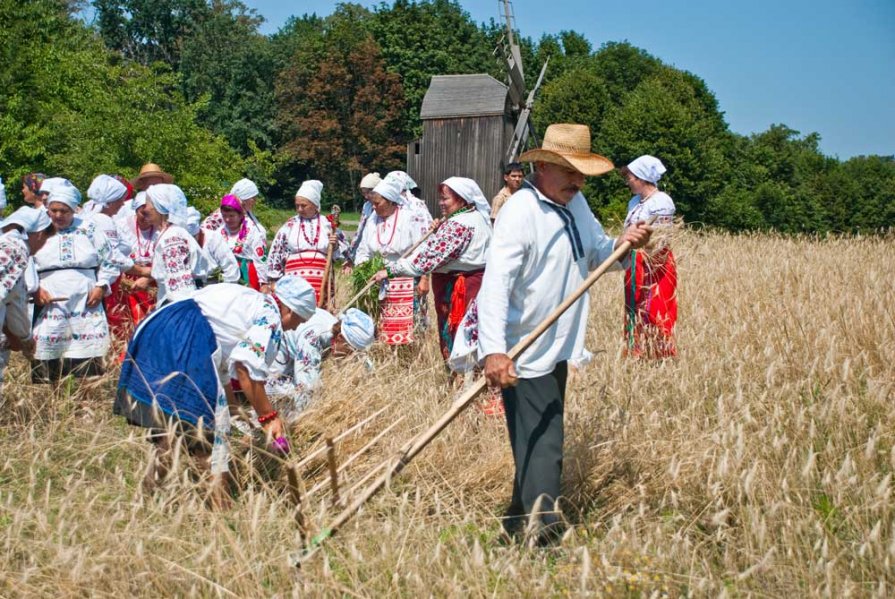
x=301, y=224
x=149, y=245
x=382, y=227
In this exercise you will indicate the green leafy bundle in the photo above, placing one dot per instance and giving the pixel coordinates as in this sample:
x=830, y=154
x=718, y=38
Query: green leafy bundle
x=360, y=276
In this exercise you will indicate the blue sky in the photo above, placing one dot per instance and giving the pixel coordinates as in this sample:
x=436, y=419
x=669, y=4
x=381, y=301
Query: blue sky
x=813, y=65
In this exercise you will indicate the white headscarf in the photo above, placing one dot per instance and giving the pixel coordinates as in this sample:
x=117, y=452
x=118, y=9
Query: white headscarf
x=469, y=190
x=169, y=199
x=403, y=179
x=244, y=189
x=358, y=329
x=2, y=195
x=193, y=221
x=104, y=190
x=311, y=190
x=139, y=200
x=30, y=219
x=649, y=168
x=62, y=191
x=370, y=181
x=297, y=295
x=390, y=190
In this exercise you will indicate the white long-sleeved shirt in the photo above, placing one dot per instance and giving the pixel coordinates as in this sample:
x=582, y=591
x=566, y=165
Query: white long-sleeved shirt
x=219, y=256
x=121, y=248
x=532, y=267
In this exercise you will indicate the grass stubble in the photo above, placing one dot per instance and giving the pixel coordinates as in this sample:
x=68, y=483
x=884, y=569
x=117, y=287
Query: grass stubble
x=758, y=463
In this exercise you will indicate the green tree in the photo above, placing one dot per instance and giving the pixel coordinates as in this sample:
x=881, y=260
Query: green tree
x=422, y=39
x=339, y=109
x=72, y=108
x=674, y=117
x=227, y=67
x=148, y=31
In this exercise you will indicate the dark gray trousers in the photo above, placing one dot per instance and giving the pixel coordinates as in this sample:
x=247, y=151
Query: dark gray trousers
x=534, y=411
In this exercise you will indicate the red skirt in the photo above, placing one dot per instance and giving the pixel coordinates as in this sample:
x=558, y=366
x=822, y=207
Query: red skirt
x=453, y=291
x=651, y=305
x=311, y=266
x=396, y=312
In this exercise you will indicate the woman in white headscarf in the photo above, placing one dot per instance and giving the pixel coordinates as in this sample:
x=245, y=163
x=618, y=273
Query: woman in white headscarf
x=136, y=291
x=182, y=360
x=295, y=373
x=302, y=243
x=71, y=334
x=367, y=183
x=177, y=259
x=391, y=232
x=247, y=193
x=454, y=254
x=651, y=279
x=23, y=232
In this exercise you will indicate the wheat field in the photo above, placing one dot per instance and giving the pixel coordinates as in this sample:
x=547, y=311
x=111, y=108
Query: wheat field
x=759, y=463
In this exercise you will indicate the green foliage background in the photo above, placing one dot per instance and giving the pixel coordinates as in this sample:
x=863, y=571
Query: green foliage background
x=194, y=86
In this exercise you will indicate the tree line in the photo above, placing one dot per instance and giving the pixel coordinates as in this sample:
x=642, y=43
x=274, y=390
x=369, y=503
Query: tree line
x=194, y=86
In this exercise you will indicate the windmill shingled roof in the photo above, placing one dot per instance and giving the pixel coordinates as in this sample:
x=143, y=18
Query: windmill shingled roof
x=452, y=96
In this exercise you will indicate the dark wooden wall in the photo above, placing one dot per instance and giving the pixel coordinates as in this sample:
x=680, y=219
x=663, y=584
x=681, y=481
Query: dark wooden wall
x=459, y=147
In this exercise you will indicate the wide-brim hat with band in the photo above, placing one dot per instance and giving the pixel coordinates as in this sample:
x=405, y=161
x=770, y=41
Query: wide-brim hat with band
x=569, y=145
x=148, y=170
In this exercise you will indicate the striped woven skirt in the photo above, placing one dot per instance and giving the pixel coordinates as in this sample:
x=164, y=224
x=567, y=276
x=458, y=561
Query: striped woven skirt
x=311, y=266
x=396, y=312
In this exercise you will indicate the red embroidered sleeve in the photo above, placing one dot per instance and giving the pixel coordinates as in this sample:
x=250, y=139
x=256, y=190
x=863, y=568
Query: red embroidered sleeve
x=446, y=245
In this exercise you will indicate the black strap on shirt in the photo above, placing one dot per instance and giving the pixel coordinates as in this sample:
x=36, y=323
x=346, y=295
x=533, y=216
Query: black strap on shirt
x=571, y=229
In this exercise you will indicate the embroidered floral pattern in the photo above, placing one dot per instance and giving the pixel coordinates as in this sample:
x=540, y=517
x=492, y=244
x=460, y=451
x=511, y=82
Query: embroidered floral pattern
x=175, y=256
x=13, y=260
x=446, y=245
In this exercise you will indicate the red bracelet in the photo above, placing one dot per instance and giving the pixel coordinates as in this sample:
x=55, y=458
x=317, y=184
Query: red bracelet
x=268, y=417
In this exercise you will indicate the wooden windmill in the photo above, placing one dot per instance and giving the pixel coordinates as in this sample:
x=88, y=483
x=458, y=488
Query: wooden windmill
x=473, y=125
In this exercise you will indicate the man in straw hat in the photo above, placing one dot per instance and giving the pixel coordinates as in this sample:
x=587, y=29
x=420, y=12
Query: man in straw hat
x=150, y=174
x=545, y=242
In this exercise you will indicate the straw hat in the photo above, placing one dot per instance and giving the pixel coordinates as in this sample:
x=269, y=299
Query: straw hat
x=150, y=170
x=569, y=145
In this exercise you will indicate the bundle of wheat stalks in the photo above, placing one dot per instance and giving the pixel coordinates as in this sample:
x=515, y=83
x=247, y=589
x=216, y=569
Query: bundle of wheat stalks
x=758, y=462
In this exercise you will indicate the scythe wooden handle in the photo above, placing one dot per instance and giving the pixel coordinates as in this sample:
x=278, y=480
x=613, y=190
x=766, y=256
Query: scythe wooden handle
x=416, y=445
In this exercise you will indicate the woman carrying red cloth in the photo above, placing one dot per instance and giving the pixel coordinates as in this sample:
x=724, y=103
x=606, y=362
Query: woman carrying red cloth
x=651, y=280
x=133, y=295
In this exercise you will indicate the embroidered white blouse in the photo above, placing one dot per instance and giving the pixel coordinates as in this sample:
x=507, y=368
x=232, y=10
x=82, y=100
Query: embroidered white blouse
x=296, y=235
x=391, y=236
x=460, y=244
x=13, y=297
x=252, y=247
x=176, y=264
x=70, y=264
x=295, y=373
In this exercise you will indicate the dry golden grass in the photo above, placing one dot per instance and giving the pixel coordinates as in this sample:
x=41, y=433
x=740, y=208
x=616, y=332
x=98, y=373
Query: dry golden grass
x=758, y=463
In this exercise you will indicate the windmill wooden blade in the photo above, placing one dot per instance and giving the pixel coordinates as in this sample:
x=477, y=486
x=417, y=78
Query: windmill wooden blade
x=523, y=124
